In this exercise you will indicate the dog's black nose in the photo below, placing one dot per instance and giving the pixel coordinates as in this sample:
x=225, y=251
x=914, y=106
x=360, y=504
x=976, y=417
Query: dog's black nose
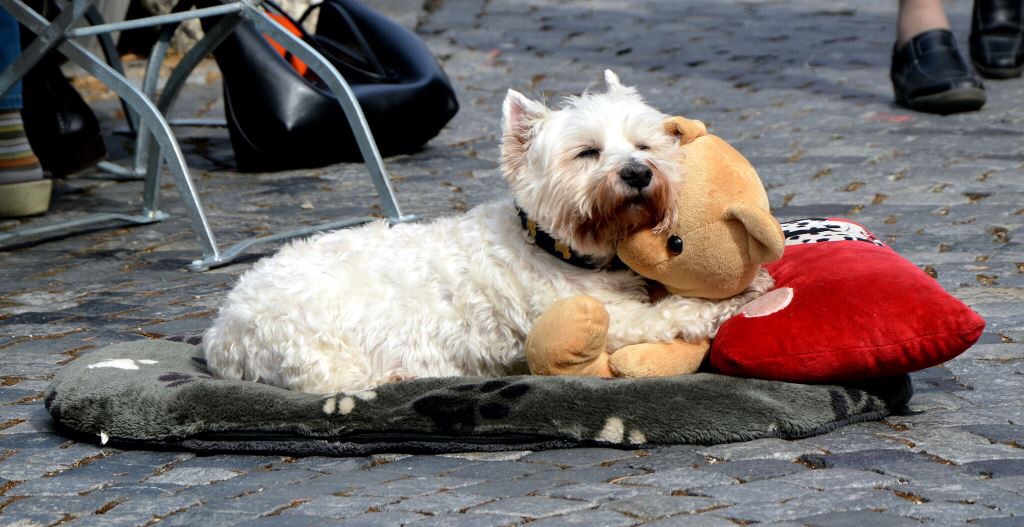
x=636, y=175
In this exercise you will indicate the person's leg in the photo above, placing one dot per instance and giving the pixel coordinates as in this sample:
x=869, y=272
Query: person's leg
x=23, y=191
x=997, y=38
x=928, y=73
x=917, y=16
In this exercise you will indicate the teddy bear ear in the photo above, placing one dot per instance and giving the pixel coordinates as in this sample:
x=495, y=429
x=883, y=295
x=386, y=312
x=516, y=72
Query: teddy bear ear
x=765, y=240
x=683, y=129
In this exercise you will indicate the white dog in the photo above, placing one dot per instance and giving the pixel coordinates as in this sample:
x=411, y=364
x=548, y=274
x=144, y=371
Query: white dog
x=351, y=309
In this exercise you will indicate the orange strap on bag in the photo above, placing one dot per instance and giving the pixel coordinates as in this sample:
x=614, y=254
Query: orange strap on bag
x=285, y=22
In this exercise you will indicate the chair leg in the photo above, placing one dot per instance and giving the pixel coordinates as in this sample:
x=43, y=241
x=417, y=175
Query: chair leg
x=94, y=17
x=341, y=90
x=169, y=95
x=148, y=115
x=46, y=39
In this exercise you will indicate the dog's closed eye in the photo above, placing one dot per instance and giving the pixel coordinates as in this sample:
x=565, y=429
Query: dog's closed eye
x=590, y=152
x=642, y=146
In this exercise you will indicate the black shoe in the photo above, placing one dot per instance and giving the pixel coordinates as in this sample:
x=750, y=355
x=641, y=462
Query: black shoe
x=929, y=75
x=997, y=38
x=62, y=130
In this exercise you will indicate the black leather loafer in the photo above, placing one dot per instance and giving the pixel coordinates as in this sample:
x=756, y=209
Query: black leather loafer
x=997, y=38
x=929, y=75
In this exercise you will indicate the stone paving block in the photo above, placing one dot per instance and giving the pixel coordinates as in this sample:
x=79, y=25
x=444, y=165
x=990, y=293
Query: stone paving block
x=667, y=458
x=764, y=491
x=194, y=476
x=995, y=468
x=266, y=503
x=52, y=505
x=413, y=486
x=467, y=520
x=1011, y=483
x=330, y=465
x=286, y=475
x=206, y=518
x=857, y=519
x=982, y=492
x=502, y=488
x=587, y=518
x=835, y=479
x=811, y=505
x=690, y=520
x=499, y=470
x=578, y=457
x=959, y=446
x=423, y=465
x=597, y=492
x=946, y=512
x=653, y=507
x=907, y=466
x=500, y=456
x=596, y=473
x=439, y=503
x=531, y=507
x=754, y=469
x=376, y=519
x=1006, y=521
x=1006, y=434
x=777, y=449
x=679, y=479
x=34, y=518
x=112, y=519
x=292, y=520
x=232, y=462
x=341, y=506
x=342, y=482
x=38, y=462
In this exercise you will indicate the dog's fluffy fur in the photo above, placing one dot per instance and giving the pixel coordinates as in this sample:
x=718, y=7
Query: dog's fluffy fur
x=348, y=310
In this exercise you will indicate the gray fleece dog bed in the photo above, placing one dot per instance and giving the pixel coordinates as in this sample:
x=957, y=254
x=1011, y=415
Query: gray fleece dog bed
x=158, y=394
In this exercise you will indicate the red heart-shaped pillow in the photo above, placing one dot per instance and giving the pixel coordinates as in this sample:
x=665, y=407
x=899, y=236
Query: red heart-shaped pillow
x=845, y=307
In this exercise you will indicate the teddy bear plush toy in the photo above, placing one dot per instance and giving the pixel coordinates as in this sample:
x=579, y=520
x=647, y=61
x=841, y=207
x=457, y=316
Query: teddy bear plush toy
x=713, y=254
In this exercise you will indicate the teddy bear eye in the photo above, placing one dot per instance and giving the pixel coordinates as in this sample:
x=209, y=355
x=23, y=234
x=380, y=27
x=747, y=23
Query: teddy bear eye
x=675, y=244
x=589, y=153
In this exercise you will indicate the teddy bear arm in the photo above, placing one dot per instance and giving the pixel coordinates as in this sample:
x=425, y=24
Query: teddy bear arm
x=659, y=359
x=570, y=338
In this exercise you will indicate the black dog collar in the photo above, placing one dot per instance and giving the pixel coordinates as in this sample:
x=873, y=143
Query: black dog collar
x=560, y=250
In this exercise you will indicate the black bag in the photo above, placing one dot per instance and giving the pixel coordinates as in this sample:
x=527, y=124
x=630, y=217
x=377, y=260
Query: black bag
x=279, y=119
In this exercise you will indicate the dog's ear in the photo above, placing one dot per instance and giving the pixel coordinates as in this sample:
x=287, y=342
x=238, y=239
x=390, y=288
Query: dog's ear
x=683, y=129
x=614, y=85
x=519, y=116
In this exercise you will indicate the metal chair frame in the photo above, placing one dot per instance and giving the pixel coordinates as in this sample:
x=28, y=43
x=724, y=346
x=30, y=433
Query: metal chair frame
x=155, y=141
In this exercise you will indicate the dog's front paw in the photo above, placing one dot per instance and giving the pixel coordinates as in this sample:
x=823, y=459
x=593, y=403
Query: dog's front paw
x=570, y=338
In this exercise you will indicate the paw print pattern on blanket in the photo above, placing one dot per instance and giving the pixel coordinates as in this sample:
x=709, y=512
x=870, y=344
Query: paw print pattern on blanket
x=464, y=406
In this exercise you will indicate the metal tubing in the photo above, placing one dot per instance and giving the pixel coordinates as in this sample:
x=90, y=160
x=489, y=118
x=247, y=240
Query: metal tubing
x=46, y=39
x=103, y=217
x=94, y=17
x=149, y=85
x=341, y=90
x=229, y=254
x=157, y=20
x=147, y=113
x=172, y=88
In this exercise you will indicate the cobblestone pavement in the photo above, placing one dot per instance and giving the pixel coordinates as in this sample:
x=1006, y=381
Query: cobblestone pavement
x=800, y=87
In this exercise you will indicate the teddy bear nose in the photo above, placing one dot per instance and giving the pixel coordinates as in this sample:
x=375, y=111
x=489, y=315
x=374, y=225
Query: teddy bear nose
x=636, y=175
